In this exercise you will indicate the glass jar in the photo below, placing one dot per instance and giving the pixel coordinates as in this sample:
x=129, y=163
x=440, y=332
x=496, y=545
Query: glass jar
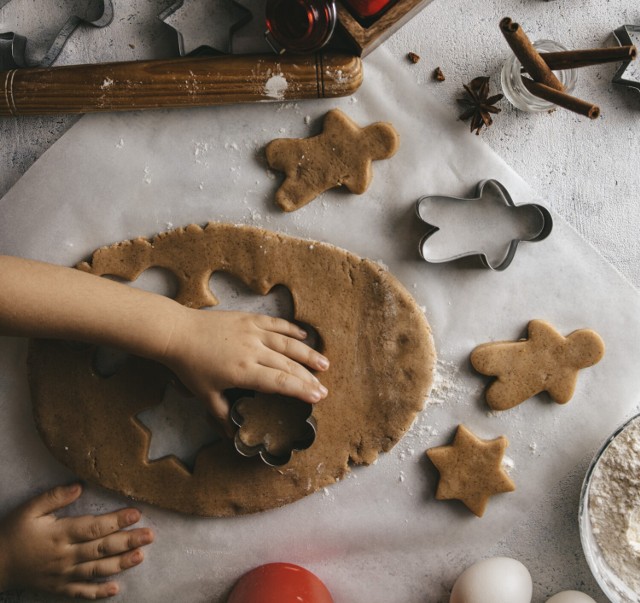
x=300, y=26
x=514, y=89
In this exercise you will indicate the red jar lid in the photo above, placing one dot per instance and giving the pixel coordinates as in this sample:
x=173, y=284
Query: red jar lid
x=367, y=8
x=280, y=583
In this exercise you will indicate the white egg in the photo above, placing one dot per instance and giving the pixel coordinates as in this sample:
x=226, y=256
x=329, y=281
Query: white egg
x=570, y=596
x=495, y=580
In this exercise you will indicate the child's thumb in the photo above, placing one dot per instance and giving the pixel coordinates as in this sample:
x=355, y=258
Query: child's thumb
x=55, y=499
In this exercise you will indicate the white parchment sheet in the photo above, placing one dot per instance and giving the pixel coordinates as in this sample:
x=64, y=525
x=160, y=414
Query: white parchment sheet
x=379, y=535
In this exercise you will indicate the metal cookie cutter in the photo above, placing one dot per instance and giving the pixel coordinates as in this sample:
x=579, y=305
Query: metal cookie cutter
x=205, y=25
x=264, y=448
x=488, y=227
x=13, y=45
x=629, y=72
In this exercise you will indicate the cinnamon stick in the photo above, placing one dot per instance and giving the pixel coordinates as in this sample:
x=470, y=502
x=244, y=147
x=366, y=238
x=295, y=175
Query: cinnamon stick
x=562, y=99
x=528, y=56
x=572, y=59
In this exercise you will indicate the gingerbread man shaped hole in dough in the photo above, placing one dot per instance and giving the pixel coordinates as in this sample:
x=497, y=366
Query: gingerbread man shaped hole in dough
x=546, y=361
x=340, y=155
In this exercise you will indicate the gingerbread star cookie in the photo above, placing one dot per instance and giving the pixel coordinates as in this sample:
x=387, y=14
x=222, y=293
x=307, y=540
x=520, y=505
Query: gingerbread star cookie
x=340, y=155
x=546, y=361
x=471, y=470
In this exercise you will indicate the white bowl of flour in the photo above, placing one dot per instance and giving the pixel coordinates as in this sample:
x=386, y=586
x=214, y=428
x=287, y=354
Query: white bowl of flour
x=610, y=514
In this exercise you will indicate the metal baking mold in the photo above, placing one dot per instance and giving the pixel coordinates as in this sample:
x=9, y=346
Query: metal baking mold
x=469, y=227
x=205, y=25
x=629, y=72
x=13, y=45
x=261, y=450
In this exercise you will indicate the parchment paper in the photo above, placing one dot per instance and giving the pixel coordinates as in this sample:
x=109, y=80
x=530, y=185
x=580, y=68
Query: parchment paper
x=378, y=536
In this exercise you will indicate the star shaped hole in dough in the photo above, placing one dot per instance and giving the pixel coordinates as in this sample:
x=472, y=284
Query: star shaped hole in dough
x=179, y=426
x=471, y=470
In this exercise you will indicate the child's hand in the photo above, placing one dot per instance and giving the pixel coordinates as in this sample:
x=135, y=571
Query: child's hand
x=214, y=351
x=65, y=555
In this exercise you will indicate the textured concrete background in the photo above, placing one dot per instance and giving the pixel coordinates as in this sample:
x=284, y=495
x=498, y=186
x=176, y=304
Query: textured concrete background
x=587, y=171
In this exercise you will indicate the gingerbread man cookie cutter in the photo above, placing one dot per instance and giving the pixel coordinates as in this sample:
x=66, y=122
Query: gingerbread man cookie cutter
x=463, y=227
x=262, y=448
x=13, y=46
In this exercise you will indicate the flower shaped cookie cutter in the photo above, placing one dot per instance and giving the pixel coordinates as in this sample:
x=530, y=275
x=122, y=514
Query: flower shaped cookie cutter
x=488, y=227
x=272, y=427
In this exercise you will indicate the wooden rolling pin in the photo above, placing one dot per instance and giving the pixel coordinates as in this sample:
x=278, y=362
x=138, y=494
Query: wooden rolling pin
x=180, y=82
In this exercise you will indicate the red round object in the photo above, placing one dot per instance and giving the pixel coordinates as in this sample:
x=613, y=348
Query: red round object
x=279, y=583
x=368, y=8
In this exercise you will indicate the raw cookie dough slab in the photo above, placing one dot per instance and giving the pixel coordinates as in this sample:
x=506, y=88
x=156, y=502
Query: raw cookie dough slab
x=370, y=327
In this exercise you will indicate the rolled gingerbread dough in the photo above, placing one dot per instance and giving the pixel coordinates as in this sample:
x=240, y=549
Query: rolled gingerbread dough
x=377, y=338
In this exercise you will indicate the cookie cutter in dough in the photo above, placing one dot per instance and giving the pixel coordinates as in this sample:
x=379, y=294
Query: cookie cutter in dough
x=13, y=45
x=465, y=226
x=261, y=450
x=205, y=25
x=629, y=72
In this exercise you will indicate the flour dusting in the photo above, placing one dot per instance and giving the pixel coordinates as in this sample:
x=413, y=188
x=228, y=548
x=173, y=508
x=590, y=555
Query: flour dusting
x=276, y=86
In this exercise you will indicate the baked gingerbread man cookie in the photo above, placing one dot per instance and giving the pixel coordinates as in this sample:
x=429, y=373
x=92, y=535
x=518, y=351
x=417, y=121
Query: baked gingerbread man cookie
x=546, y=361
x=471, y=470
x=340, y=155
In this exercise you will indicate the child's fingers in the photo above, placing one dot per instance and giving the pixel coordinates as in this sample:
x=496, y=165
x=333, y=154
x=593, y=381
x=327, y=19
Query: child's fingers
x=272, y=359
x=114, y=544
x=92, y=527
x=276, y=381
x=280, y=325
x=109, y=566
x=54, y=499
x=90, y=590
x=296, y=350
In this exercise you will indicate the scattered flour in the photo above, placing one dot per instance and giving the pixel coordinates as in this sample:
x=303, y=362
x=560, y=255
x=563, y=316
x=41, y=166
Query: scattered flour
x=200, y=149
x=507, y=463
x=614, y=505
x=276, y=86
x=447, y=384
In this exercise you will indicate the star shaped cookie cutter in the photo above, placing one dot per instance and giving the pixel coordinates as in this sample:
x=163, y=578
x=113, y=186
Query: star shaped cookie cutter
x=470, y=221
x=207, y=25
x=623, y=76
x=13, y=45
x=261, y=449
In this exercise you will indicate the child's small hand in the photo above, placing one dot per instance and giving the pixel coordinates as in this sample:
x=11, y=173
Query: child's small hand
x=65, y=555
x=214, y=351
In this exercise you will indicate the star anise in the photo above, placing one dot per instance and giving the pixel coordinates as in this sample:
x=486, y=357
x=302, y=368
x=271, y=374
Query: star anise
x=478, y=104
